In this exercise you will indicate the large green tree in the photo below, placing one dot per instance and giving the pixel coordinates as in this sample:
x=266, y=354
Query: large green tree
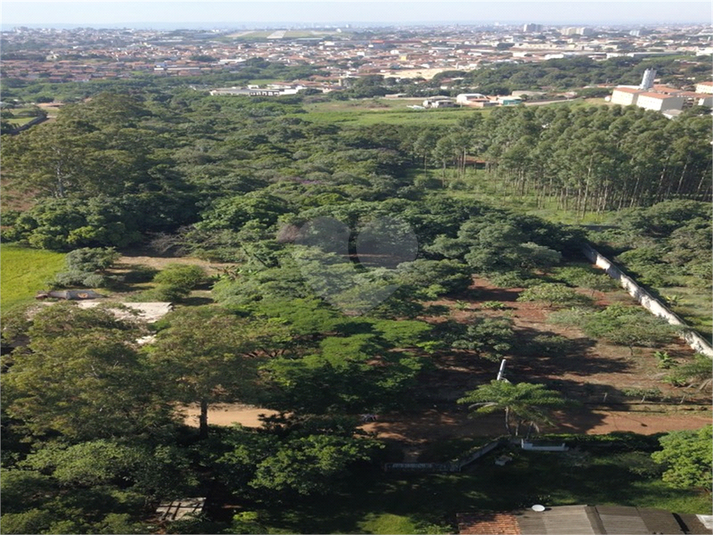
x=82, y=376
x=208, y=355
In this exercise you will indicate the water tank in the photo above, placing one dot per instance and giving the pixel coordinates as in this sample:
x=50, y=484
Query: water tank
x=647, y=82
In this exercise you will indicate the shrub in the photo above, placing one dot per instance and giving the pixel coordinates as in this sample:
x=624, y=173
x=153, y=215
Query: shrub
x=181, y=276
x=512, y=279
x=86, y=267
x=653, y=394
x=548, y=344
x=554, y=294
x=585, y=278
x=666, y=361
x=175, y=282
x=576, y=317
x=494, y=305
x=90, y=259
x=694, y=373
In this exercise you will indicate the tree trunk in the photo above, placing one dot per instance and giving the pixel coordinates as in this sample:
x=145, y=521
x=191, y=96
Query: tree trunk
x=529, y=430
x=203, y=420
x=507, y=421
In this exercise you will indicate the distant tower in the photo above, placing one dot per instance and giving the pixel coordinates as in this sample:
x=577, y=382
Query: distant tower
x=647, y=82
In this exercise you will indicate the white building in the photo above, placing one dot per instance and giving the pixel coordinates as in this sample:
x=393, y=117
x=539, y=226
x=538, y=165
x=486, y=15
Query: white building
x=577, y=31
x=625, y=96
x=704, y=87
x=466, y=98
x=532, y=28
x=439, y=102
x=659, y=102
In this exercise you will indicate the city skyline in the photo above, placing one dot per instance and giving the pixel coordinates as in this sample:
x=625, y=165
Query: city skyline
x=334, y=12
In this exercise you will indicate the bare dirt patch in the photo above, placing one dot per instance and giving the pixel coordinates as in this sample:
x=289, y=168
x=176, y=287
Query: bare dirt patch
x=434, y=425
x=126, y=261
x=228, y=414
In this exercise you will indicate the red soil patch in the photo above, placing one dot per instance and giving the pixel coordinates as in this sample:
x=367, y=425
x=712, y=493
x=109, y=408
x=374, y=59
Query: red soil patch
x=434, y=425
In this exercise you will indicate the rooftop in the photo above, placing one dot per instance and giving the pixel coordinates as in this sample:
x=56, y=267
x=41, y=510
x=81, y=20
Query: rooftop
x=581, y=520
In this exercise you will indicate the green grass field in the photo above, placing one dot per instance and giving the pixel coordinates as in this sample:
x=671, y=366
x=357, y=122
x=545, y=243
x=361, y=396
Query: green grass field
x=19, y=121
x=24, y=272
x=381, y=111
x=20, y=116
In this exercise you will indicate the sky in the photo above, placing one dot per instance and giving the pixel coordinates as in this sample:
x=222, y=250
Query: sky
x=227, y=13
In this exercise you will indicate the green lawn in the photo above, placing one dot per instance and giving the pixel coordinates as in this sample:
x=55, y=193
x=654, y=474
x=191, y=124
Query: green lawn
x=24, y=272
x=19, y=121
x=379, y=502
x=20, y=116
x=381, y=111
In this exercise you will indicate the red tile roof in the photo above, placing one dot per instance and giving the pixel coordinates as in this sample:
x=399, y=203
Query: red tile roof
x=660, y=96
x=487, y=524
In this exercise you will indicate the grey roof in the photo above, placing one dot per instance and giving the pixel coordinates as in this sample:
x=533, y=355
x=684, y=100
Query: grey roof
x=562, y=520
x=619, y=520
x=600, y=519
x=592, y=520
x=695, y=524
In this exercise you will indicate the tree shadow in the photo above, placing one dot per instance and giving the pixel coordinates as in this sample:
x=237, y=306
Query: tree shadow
x=196, y=301
x=542, y=354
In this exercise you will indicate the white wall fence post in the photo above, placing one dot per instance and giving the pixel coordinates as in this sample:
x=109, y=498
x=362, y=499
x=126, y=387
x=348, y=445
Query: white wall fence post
x=646, y=300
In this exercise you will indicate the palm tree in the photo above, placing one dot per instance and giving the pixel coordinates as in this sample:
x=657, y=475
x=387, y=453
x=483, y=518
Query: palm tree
x=524, y=402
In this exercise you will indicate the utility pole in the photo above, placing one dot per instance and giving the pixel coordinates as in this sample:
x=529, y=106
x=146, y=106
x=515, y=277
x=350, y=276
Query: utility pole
x=501, y=372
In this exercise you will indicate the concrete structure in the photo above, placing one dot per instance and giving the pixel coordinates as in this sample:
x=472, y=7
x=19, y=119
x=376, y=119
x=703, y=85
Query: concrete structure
x=646, y=300
x=704, y=87
x=696, y=99
x=509, y=101
x=179, y=509
x=254, y=91
x=625, y=96
x=659, y=102
x=535, y=28
x=469, y=99
x=439, y=102
x=582, y=30
x=465, y=99
x=647, y=81
x=659, y=98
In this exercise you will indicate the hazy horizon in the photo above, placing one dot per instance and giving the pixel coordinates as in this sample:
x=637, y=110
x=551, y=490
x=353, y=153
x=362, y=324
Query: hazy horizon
x=211, y=15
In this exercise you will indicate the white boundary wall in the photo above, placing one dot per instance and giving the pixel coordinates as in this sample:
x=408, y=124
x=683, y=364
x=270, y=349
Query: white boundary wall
x=650, y=303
